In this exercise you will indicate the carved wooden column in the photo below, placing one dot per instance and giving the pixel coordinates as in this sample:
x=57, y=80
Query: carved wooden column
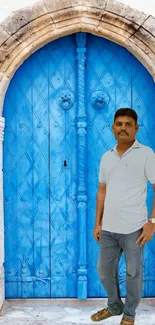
x=2, y=295
x=82, y=194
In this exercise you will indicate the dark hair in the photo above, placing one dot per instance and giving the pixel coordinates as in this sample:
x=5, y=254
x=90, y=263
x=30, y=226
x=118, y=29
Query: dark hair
x=126, y=112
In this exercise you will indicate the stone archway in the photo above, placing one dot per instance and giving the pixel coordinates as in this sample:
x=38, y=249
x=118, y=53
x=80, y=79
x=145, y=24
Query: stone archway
x=28, y=29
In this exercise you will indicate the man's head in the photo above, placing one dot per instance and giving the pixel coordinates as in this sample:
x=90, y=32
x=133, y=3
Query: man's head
x=125, y=125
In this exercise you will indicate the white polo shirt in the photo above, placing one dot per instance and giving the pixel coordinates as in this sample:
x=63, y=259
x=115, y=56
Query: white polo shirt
x=126, y=178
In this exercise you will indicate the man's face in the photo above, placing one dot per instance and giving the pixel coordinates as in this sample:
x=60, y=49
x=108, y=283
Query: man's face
x=124, y=129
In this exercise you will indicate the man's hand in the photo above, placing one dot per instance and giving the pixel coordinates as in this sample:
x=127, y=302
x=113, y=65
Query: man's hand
x=147, y=233
x=97, y=233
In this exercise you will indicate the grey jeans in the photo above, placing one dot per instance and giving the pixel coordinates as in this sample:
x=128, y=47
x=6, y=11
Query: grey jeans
x=111, y=247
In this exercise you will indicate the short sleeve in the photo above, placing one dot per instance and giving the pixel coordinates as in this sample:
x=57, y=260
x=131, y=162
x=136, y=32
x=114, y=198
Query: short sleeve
x=150, y=166
x=101, y=172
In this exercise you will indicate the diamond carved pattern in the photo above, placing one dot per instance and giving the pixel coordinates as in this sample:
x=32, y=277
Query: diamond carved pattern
x=63, y=178
x=40, y=206
x=127, y=85
x=40, y=163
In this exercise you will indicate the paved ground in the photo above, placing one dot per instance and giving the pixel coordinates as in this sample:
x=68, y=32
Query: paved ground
x=69, y=312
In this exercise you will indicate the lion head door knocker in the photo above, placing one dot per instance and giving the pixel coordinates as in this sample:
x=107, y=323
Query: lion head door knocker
x=65, y=99
x=99, y=99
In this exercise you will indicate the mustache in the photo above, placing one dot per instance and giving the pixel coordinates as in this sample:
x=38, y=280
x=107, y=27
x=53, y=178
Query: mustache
x=123, y=132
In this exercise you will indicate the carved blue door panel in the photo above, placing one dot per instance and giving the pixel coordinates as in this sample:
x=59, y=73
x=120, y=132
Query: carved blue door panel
x=109, y=87
x=59, y=110
x=115, y=79
x=143, y=98
x=40, y=175
x=18, y=185
x=63, y=170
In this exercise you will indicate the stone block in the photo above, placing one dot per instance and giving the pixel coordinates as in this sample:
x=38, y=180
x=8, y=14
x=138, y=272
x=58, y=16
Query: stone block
x=118, y=22
x=68, y=22
x=149, y=25
x=107, y=31
x=7, y=48
x=23, y=17
x=142, y=53
x=89, y=21
x=56, y=5
x=26, y=32
x=144, y=44
x=120, y=9
x=3, y=35
x=145, y=37
x=66, y=14
x=93, y=13
x=99, y=4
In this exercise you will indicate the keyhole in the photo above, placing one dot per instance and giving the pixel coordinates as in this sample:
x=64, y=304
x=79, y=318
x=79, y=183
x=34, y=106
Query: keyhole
x=65, y=163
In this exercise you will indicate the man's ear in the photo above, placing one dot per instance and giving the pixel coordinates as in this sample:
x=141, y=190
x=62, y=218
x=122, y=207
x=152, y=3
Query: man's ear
x=112, y=128
x=137, y=128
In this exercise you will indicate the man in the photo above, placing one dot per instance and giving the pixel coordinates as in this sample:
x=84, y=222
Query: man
x=121, y=215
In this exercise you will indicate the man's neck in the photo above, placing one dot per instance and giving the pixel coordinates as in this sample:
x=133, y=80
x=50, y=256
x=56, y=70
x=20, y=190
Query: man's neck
x=124, y=146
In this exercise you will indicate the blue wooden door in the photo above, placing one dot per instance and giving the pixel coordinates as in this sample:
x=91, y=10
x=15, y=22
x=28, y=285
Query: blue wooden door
x=41, y=171
x=115, y=79
x=40, y=175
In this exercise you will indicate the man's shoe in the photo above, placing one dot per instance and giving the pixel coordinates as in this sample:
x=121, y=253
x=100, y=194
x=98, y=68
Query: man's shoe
x=101, y=315
x=126, y=321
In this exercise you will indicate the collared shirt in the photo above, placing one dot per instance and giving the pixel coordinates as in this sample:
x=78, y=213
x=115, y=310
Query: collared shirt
x=126, y=178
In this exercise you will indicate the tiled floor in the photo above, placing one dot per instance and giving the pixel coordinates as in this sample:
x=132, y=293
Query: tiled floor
x=69, y=312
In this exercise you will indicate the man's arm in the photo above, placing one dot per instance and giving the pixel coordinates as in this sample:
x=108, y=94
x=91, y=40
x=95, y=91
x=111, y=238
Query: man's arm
x=149, y=227
x=153, y=208
x=99, y=210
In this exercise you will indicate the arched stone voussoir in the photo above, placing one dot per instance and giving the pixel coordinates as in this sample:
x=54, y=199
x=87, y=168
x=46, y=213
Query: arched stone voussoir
x=27, y=29
x=30, y=28
x=23, y=17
